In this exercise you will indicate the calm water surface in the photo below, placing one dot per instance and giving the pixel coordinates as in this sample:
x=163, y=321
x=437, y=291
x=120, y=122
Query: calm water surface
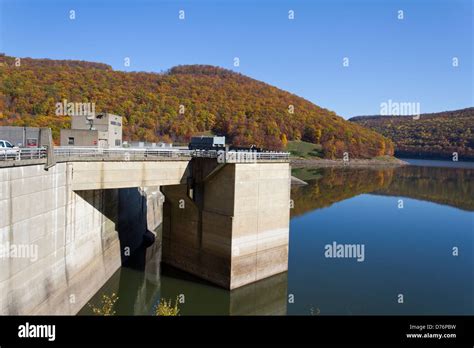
x=408, y=219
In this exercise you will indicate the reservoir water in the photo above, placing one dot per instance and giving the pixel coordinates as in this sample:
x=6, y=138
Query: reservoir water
x=406, y=242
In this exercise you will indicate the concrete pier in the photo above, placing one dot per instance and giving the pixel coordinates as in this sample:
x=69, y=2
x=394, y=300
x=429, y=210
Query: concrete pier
x=238, y=234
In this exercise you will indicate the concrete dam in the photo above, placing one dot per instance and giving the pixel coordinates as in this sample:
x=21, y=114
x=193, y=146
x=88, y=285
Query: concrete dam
x=66, y=230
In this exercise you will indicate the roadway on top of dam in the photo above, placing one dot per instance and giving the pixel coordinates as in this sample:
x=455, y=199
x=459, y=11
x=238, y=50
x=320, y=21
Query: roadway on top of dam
x=93, y=168
x=29, y=156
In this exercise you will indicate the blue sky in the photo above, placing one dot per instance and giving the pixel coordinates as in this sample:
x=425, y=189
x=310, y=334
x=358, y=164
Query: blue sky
x=407, y=60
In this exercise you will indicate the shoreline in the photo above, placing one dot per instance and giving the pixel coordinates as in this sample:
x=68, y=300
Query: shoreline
x=372, y=162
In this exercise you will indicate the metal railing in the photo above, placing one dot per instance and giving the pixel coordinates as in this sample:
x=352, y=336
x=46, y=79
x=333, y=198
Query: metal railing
x=126, y=154
x=64, y=153
x=242, y=156
x=273, y=156
x=22, y=153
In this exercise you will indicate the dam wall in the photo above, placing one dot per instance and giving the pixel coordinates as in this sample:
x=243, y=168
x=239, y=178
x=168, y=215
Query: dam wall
x=59, y=246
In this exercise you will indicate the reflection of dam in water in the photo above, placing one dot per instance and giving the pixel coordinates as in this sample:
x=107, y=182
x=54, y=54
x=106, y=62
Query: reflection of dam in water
x=265, y=297
x=139, y=292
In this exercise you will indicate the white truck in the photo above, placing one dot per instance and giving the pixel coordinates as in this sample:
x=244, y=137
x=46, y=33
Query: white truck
x=7, y=150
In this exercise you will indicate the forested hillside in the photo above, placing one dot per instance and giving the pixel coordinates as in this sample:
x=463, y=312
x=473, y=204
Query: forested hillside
x=435, y=135
x=177, y=104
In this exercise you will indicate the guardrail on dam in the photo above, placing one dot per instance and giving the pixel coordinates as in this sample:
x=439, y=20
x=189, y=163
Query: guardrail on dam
x=69, y=153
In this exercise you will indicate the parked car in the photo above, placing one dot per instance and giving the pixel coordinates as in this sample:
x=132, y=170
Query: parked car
x=7, y=150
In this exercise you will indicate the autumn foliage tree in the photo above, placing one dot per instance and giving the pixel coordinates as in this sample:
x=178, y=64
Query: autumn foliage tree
x=436, y=135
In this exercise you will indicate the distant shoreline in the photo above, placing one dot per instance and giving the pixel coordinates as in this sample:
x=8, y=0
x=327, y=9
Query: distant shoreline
x=430, y=157
x=385, y=161
x=379, y=162
x=440, y=163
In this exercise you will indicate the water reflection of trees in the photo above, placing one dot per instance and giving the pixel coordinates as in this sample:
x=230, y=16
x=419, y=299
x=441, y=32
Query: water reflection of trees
x=449, y=186
x=326, y=186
